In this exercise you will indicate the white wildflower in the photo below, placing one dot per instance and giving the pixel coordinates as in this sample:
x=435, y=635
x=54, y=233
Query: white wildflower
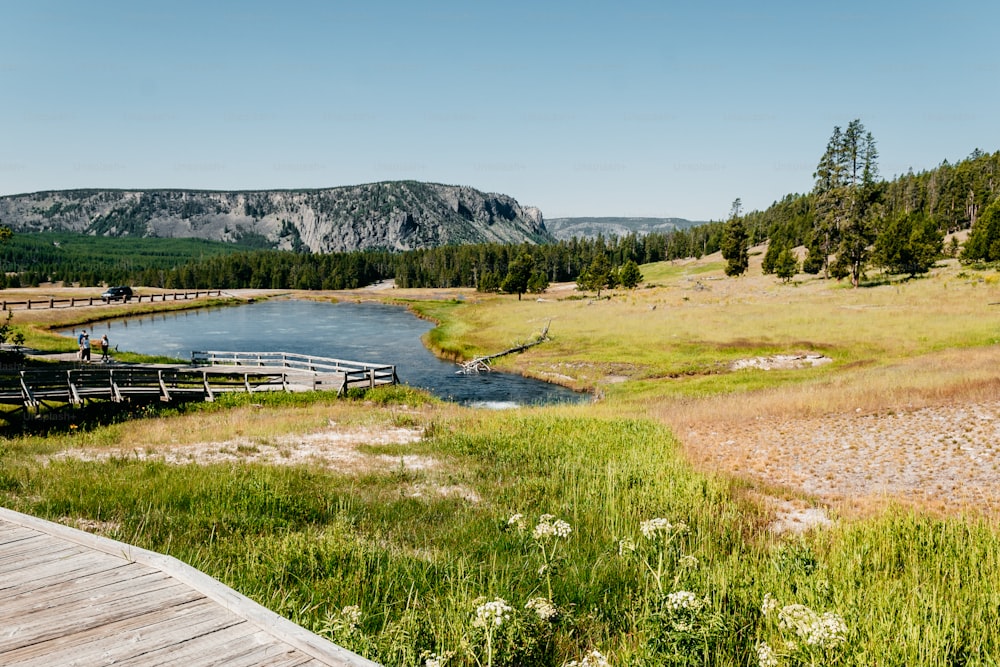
x=517, y=521
x=593, y=659
x=765, y=656
x=688, y=562
x=351, y=616
x=826, y=630
x=432, y=659
x=492, y=614
x=769, y=605
x=653, y=528
x=684, y=600
x=796, y=617
x=829, y=631
x=548, y=526
x=543, y=608
x=626, y=546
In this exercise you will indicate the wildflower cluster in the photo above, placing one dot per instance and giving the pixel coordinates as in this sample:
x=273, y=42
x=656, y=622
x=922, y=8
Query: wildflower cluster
x=342, y=624
x=543, y=608
x=769, y=605
x=626, y=546
x=660, y=551
x=822, y=630
x=684, y=601
x=766, y=656
x=550, y=527
x=492, y=614
x=689, y=562
x=653, y=528
x=517, y=522
x=593, y=659
x=683, y=612
x=547, y=534
x=812, y=631
x=351, y=615
x=432, y=659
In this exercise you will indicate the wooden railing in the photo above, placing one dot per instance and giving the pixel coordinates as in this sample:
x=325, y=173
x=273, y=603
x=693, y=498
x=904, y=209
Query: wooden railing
x=355, y=373
x=77, y=302
x=212, y=373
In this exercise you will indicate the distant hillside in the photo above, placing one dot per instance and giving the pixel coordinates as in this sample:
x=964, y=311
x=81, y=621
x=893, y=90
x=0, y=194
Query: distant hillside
x=567, y=228
x=396, y=215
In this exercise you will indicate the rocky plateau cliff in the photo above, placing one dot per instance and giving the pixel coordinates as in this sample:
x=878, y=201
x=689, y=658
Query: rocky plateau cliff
x=395, y=215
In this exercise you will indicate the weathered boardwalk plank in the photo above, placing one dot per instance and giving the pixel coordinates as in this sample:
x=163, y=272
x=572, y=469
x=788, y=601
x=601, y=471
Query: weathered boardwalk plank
x=68, y=597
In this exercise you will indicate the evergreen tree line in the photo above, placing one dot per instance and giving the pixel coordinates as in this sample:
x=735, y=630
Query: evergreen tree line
x=487, y=267
x=852, y=220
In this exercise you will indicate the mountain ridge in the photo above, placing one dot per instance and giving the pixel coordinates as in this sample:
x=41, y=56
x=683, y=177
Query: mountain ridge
x=590, y=226
x=393, y=215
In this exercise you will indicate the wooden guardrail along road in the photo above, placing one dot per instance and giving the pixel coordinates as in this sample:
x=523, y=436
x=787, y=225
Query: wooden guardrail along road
x=79, y=301
x=210, y=374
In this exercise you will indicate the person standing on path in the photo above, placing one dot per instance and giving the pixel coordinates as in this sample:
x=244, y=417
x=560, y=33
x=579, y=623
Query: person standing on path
x=79, y=344
x=105, y=349
x=85, y=356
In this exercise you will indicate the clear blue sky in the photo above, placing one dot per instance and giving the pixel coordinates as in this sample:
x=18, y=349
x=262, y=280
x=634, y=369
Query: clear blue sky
x=580, y=108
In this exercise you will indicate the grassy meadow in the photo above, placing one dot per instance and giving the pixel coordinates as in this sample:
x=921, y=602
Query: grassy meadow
x=583, y=534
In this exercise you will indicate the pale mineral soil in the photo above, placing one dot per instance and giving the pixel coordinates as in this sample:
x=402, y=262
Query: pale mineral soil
x=943, y=458
x=345, y=449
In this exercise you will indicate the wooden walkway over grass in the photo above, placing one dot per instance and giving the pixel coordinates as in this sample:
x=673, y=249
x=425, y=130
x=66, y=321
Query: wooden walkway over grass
x=68, y=597
x=210, y=373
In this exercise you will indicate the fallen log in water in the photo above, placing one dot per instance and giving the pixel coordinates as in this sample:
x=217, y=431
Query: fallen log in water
x=484, y=364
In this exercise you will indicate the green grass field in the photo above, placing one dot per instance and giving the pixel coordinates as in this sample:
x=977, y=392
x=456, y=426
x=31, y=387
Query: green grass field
x=582, y=533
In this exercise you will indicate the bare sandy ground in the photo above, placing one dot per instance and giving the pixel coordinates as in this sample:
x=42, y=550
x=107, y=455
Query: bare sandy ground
x=346, y=450
x=942, y=458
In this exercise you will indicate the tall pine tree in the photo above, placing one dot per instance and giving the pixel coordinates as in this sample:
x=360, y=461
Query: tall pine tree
x=735, y=243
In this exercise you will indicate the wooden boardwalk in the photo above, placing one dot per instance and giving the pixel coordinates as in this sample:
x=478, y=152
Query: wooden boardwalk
x=209, y=374
x=68, y=598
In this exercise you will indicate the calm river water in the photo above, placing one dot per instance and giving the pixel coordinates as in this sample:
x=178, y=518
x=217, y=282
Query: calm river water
x=368, y=332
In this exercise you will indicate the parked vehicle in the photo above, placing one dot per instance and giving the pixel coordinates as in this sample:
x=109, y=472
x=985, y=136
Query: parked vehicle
x=120, y=293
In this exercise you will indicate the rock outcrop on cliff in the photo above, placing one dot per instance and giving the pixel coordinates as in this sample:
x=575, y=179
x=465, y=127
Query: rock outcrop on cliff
x=394, y=215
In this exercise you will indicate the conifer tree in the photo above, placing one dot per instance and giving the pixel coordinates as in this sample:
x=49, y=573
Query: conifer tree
x=983, y=244
x=786, y=265
x=518, y=275
x=630, y=276
x=735, y=242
